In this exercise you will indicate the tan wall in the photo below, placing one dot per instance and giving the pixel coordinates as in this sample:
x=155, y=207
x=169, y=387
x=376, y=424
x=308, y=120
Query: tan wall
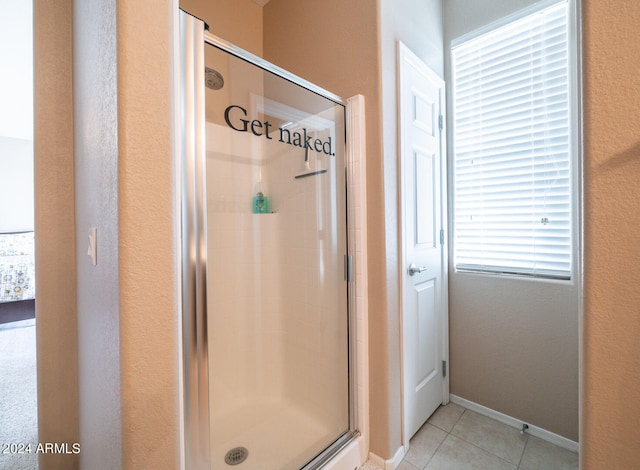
x=611, y=377
x=55, y=230
x=147, y=226
x=514, y=348
x=513, y=342
x=236, y=21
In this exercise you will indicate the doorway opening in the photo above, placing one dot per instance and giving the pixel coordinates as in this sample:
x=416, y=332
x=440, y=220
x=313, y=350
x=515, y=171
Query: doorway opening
x=18, y=406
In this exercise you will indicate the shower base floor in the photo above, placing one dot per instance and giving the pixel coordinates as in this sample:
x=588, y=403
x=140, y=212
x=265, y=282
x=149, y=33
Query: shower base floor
x=277, y=435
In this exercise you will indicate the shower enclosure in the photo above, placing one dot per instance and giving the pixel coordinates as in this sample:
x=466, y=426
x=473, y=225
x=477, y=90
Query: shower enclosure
x=268, y=354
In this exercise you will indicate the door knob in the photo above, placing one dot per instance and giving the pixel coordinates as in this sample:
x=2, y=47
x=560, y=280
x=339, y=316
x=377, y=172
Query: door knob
x=413, y=269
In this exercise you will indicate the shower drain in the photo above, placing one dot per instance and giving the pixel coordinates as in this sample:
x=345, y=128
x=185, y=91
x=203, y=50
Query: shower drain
x=236, y=456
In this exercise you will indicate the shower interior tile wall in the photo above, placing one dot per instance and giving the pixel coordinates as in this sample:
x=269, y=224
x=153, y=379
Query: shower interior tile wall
x=274, y=346
x=241, y=307
x=313, y=351
x=357, y=247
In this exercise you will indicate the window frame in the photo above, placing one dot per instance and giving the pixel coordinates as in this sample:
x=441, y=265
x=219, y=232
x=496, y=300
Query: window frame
x=575, y=142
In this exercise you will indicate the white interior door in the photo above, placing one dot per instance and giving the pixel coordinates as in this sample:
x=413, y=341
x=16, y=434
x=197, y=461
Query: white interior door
x=423, y=276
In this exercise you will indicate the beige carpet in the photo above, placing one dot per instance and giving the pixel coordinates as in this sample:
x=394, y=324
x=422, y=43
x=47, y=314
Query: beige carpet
x=18, y=402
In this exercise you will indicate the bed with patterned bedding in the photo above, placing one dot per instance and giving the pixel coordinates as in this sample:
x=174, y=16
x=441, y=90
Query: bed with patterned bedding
x=17, y=267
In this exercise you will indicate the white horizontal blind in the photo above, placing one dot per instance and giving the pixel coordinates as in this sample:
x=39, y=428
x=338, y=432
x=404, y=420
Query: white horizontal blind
x=512, y=185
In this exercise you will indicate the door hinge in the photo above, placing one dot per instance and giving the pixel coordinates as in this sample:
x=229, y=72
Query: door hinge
x=442, y=236
x=348, y=268
x=441, y=122
x=444, y=368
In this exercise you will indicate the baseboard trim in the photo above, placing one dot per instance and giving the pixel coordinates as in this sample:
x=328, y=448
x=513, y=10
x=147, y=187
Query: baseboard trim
x=391, y=464
x=549, y=436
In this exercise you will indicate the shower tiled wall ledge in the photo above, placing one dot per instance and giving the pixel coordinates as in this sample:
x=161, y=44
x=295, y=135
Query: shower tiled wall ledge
x=358, y=247
x=356, y=453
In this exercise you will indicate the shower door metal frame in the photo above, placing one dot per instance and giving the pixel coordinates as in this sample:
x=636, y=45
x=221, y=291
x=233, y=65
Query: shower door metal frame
x=193, y=38
x=190, y=96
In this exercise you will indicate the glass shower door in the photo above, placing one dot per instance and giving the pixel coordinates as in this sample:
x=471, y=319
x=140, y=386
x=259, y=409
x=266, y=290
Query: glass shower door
x=277, y=315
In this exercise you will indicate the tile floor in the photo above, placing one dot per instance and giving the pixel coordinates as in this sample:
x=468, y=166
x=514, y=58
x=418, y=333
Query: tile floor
x=455, y=438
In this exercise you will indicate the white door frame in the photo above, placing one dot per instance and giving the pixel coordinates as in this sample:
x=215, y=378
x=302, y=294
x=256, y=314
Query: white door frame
x=404, y=52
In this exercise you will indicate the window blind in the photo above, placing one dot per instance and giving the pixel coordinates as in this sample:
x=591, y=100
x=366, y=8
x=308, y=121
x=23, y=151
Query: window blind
x=512, y=170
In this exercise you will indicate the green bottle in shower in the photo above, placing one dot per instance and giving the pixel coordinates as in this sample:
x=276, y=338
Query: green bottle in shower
x=260, y=201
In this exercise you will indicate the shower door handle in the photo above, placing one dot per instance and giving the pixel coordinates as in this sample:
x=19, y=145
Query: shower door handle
x=413, y=269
